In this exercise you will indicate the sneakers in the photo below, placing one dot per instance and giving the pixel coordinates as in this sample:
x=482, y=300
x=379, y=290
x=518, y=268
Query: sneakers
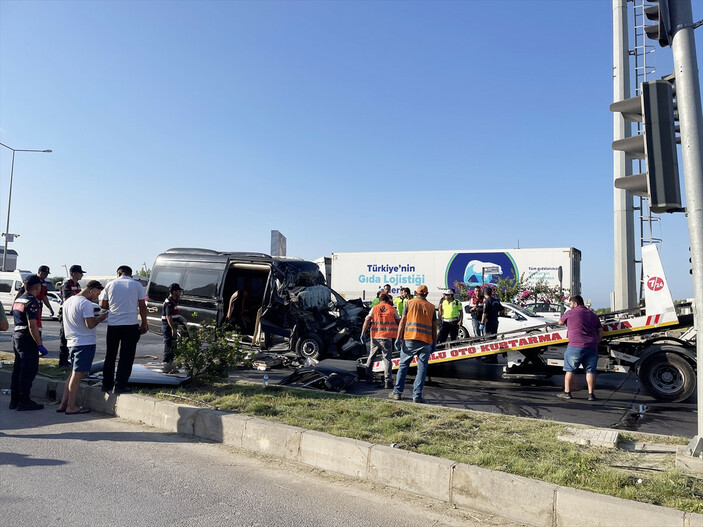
x=565, y=395
x=592, y=397
x=389, y=385
x=28, y=406
x=419, y=400
x=394, y=396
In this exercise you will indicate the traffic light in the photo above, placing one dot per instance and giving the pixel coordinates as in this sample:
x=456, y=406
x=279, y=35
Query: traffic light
x=659, y=12
x=656, y=144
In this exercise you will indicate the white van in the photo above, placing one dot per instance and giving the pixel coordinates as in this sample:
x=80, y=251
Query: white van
x=10, y=283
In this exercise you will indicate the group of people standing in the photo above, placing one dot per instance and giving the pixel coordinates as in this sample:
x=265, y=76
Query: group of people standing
x=122, y=302
x=413, y=332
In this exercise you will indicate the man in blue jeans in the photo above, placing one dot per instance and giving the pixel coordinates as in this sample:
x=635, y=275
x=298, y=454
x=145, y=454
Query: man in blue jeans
x=584, y=331
x=417, y=336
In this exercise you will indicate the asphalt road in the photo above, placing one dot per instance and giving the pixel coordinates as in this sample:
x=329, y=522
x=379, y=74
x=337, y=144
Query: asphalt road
x=93, y=470
x=475, y=385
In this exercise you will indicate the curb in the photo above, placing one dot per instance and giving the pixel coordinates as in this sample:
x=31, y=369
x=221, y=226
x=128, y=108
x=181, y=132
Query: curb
x=516, y=498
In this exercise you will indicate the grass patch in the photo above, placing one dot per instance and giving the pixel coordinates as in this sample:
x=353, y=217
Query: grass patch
x=525, y=447
x=47, y=367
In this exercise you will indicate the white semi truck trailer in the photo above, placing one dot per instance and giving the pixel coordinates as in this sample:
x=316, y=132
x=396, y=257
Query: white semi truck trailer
x=363, y=274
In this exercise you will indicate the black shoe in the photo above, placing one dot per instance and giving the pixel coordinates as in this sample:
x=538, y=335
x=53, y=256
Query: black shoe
x=419, y=400
x=126, y=389
x=565, y=395
x=106, y=389
x=64, y=364
x=28, y=406
x=389, y=385
x=592, y=397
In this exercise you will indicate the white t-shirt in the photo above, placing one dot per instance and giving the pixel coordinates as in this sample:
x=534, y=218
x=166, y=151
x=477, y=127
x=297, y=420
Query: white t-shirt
x=123, y=295
x=75, y=310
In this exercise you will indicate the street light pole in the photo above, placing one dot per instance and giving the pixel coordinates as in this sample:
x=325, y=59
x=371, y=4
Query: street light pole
x=9, y=199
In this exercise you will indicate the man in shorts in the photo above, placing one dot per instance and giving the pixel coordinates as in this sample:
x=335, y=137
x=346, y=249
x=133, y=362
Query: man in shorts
x=79, y=326
x=584, y=331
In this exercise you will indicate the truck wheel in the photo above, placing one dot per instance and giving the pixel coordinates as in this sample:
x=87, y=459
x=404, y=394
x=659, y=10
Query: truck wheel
x=463, y=333
x=309, y=347
x=668, y=377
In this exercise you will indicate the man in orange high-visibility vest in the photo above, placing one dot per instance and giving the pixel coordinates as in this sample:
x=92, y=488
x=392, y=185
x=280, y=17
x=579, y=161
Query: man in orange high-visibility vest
x=417, y=336
x=383, y=320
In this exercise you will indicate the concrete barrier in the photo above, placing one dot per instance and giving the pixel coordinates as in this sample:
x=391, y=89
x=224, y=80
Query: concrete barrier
x=579, y=508
x=337, y=454
x=418, y=473
x=273, y=439
x=531, y=502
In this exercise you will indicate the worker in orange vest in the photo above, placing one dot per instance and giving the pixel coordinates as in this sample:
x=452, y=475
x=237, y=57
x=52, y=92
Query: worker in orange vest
x=383, y=321
x=417, y=336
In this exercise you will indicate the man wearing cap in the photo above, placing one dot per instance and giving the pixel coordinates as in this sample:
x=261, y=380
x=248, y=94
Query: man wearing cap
x=125, y=298
x=451, y=316
x=41, y=297
x=383, y=321
x=169, y=322
x=69, y=288
x=417, y=335
x=27, y=345
x=79, y=323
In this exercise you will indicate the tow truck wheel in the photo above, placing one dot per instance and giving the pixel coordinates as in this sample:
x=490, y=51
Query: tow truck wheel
x=463, y=333
x=309, y=347
x=668, y=377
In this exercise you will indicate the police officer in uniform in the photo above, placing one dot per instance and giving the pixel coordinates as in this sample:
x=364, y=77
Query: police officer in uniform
x=451, y=315
x=69, y=288
x=169, y=320
x=27, y=344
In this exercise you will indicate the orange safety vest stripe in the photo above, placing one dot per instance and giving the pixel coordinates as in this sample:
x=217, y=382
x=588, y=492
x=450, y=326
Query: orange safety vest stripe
x=383, y=322
x=418, y=322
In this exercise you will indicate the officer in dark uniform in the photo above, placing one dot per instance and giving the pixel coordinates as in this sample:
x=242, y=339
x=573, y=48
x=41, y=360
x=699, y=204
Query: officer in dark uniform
x=69, y=288
x=169, y=320
x=27, y=344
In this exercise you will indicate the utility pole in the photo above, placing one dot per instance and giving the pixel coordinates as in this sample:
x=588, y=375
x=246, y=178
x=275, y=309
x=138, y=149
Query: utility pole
x=624, y=223
x=688, y=98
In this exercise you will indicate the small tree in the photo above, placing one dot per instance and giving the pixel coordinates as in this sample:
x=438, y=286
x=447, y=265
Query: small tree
x=208, y=352
x=518, y=290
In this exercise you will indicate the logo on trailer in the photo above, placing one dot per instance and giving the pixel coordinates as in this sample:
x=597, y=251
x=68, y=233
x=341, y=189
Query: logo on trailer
x=655, y=283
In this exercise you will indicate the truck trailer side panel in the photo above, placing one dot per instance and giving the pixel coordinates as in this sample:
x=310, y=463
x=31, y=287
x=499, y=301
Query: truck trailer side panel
x=362, y=275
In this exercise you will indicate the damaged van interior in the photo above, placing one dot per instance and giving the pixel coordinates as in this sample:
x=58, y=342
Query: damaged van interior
x=276, y=304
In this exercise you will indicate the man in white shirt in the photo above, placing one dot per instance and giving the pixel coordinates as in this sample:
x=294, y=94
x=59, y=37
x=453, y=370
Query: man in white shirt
x=125, y=298
x=79, y=325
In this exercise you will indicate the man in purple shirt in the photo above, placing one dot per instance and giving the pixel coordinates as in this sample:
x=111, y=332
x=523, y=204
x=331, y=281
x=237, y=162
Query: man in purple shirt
x=584, y=331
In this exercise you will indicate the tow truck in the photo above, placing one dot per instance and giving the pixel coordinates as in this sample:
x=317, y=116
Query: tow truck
x=656, y=343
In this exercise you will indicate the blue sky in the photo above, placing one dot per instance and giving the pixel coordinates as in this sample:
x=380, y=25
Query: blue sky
x=348, y=126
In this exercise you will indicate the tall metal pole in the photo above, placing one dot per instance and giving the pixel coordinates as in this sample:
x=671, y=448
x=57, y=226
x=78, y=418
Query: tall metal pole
x=624, y=225
x=9, y=202
x=9, y=199
x=688, y=101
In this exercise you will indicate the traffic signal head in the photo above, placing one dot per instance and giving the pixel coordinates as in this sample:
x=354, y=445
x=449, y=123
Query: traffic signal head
x=654, y=108
x=659, y=14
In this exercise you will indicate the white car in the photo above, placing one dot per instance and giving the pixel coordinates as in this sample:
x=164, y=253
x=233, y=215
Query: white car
x=551, y=311
x=55, y=302
x=514, y=318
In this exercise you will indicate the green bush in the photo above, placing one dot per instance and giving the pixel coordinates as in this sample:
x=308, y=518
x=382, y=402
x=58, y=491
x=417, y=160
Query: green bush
x=208, y=352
